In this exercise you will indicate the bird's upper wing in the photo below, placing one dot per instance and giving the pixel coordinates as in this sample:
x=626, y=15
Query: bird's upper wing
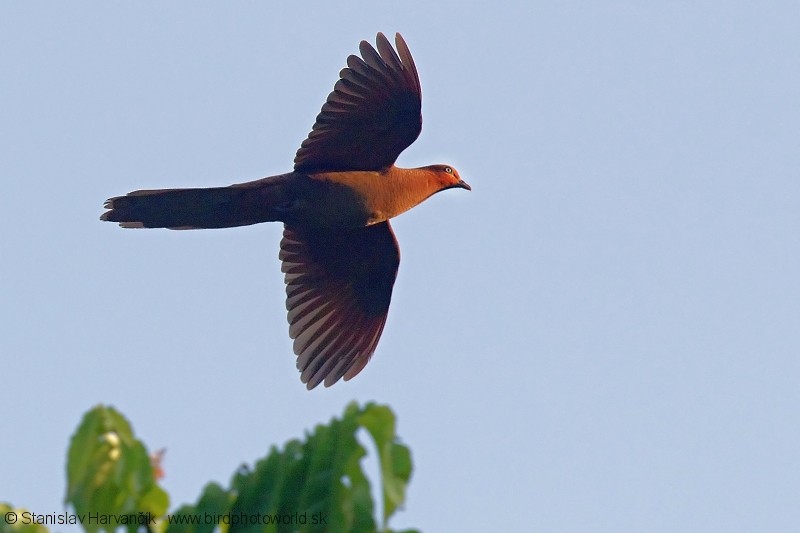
x=373, y=113
x=338, y=288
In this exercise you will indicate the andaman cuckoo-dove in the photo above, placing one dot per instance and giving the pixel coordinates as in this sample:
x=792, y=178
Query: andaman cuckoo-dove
x=339, y=254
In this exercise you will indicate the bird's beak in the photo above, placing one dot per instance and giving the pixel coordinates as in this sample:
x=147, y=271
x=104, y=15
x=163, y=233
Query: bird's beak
x=464, y=185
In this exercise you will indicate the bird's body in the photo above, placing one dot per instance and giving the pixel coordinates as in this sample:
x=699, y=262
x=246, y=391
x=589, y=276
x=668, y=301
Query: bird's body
x=339, y=254
x=327, y=199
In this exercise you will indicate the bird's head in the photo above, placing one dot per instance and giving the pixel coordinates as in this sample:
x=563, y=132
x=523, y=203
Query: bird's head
x=447, y=178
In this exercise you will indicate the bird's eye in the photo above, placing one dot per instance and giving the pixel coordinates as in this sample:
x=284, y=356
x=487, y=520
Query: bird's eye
x=448, y=170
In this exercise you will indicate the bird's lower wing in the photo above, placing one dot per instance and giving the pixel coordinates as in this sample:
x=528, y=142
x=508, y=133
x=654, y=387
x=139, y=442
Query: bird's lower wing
x=338, y=288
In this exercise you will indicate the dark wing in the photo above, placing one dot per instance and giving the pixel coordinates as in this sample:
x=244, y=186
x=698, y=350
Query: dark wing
x=373, y=113
x=338, y=289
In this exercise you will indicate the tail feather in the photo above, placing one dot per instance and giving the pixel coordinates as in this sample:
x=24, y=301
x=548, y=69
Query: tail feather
x=217, y=207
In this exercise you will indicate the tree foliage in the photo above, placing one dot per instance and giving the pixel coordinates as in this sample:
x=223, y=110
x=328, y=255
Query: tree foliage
x=312, y=484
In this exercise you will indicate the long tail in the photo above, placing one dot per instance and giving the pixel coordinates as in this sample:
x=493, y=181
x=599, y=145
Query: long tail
x=217, y=207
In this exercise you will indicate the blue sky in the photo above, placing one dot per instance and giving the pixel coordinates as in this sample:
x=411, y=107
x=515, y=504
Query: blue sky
x=602, y=336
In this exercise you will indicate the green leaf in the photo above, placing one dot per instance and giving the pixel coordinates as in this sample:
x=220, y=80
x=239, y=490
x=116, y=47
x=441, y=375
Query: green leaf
x=110, y=477
x=311, y=485
x=394, y=458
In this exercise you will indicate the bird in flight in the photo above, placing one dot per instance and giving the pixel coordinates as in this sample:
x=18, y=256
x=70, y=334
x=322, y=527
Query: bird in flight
x=338, y=253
